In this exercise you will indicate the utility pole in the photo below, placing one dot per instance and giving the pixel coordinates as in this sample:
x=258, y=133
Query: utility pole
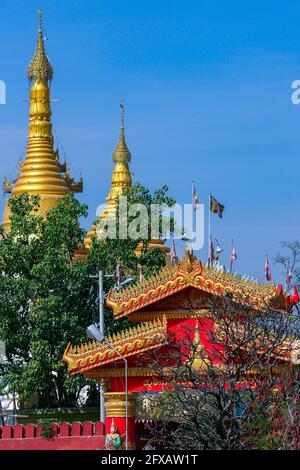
x=101, y=302
x=100, y=277
x=101, y=327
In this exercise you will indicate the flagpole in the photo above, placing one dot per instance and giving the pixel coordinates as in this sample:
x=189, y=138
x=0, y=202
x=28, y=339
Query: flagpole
x=193, y=190
x=231, y=261
x=209, y=234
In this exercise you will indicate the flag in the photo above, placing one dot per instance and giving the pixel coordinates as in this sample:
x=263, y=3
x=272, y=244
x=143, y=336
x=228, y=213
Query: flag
x=118, y=274
x=195, y=196
x=289, y=276
x=293, y=299
x=142, y=278
x=233, y=257
x=218, y=251
x=173, y=252
x=216, y=207
x=268, y=270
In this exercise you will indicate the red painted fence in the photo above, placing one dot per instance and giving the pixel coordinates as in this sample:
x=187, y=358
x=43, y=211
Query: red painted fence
x=65, y=436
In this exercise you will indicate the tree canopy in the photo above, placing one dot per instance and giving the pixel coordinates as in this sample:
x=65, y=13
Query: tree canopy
x=47, y=296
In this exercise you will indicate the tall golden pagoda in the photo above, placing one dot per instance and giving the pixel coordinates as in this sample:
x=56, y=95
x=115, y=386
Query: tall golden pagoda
x=121, y=178
x=41, y=172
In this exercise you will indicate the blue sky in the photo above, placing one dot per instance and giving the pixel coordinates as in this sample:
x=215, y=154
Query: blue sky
x=207, y=87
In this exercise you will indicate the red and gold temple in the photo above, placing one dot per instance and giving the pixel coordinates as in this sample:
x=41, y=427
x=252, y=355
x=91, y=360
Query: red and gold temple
x=171, y=302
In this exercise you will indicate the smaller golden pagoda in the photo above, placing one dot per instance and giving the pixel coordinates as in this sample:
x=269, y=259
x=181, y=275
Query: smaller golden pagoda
x=121, y=178
x=41, y=172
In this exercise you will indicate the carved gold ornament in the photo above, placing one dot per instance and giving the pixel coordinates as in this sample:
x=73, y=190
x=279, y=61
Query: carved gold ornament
x=134, y=340
x=189, y=273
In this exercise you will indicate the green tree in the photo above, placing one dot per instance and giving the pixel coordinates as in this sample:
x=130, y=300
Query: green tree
x=106, y=255
x=47, y=298
x=43, y=300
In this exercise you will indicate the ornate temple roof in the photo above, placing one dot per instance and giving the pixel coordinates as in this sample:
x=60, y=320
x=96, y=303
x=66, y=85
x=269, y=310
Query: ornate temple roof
x=189, y=273
x=95, y=360
x=129, y=342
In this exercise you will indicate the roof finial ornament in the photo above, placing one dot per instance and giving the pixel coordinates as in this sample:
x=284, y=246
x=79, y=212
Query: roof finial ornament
x=40, y=67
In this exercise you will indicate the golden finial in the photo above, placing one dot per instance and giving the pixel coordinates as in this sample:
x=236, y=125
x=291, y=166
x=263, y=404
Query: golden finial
x=40, y=67
x=188, y=261
x=121, y=153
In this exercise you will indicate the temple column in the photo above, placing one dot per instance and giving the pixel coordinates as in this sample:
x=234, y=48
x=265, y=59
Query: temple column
x=115, y=411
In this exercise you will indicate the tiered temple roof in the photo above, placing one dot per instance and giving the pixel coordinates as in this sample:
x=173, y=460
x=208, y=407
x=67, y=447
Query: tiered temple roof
x=190, y=273
x=170, y=280
x=130, y=342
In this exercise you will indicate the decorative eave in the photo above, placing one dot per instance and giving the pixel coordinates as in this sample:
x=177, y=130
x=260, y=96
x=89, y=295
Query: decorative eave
x=136, y=340
x=74, y=186
x=190, y=273
x=8, y=186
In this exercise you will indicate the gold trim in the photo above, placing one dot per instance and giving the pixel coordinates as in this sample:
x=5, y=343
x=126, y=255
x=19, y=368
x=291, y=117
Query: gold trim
x=170, y=314
x=115, y=404
x=119, y=372
x=129, y=342
x=189, y=273
x=148, y=372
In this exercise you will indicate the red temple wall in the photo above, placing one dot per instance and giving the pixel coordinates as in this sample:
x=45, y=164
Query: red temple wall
x=183, y=331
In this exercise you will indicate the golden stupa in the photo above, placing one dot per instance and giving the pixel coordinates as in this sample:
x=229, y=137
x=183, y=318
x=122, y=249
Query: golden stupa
x=121, y=179
x=41, y=172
